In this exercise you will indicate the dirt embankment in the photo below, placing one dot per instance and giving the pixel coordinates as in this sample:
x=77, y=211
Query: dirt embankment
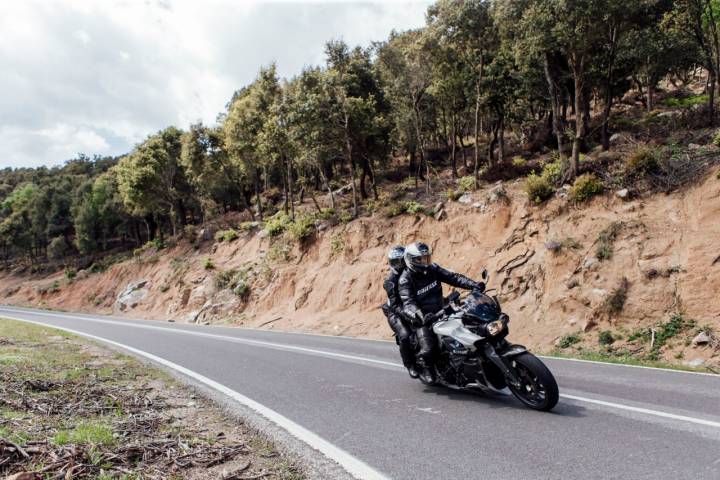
x=560, y=270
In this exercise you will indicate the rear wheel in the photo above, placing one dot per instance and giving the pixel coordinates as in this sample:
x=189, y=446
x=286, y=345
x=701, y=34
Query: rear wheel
x=538, y=388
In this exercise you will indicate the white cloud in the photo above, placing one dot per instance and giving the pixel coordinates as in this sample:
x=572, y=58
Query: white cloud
x=82, y=35
x=97, y=76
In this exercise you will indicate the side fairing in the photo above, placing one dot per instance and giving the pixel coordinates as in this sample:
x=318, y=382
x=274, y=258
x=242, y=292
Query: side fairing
x=454, y=328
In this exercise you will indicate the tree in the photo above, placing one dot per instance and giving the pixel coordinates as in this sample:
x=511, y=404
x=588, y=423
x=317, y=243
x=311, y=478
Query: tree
x=99, y=214
x=699, y=18
x=468, y=24
x=247, y=113
x=312, y=128
x=151, y=181
x=358, y=112
x=405, y=66
x=216, y=179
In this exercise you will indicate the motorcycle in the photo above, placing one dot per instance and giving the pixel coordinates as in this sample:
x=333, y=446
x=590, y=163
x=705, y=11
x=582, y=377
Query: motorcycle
x=474, y=353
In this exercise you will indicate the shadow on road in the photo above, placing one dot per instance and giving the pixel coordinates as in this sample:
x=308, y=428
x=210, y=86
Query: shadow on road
x=502, y=401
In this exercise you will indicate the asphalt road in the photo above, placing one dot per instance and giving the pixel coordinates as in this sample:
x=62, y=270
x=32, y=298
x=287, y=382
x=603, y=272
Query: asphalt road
x=612, y=422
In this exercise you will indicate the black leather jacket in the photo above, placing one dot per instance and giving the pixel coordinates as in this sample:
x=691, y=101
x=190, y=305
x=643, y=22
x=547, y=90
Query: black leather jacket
x=394, y=305
x=421, y=292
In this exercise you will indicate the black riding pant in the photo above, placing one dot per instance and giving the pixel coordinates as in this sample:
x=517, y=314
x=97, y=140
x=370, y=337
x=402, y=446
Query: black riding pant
x=426, y=341
x=402, y=334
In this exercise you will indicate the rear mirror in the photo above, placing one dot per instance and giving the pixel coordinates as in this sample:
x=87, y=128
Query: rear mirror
x=485, y=275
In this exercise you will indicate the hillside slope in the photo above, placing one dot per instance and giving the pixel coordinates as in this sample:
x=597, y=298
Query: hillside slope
x=543, y=261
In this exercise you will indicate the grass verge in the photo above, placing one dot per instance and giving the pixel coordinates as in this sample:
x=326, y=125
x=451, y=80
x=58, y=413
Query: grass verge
x=70, y=408
x=627, y=360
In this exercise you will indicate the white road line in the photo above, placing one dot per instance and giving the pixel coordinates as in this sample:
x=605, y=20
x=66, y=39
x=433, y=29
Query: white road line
x=620, y=406
x=657, y=413
x=345, y=337
x=247, y=341
x=351, y=464
x=596, y=362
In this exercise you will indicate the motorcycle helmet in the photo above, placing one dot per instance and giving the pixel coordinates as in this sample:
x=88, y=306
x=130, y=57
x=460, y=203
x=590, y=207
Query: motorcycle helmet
x=418, y=257
x=396, y=258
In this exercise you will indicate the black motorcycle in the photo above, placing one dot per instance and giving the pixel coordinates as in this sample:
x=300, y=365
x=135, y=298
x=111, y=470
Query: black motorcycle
x=474, y=353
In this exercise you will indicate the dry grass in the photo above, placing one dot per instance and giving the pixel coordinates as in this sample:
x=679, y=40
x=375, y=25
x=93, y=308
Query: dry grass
x=69, y=409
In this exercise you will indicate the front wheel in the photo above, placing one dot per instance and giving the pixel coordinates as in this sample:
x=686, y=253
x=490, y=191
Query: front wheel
x=538, y=388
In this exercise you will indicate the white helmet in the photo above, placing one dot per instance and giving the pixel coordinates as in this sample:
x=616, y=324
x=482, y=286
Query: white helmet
x=418, y=257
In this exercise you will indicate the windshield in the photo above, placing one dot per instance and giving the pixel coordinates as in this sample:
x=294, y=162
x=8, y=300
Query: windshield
x=481, y=306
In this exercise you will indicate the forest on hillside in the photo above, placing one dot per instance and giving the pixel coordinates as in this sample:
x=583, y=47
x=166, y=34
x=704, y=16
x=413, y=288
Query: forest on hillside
x=483, y=83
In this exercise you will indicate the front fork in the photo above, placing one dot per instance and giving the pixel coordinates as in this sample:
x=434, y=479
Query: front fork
x=498, y=361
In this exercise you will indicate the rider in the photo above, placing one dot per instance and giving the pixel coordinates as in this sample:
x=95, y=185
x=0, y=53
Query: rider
x=422, y=297
x=393, y=309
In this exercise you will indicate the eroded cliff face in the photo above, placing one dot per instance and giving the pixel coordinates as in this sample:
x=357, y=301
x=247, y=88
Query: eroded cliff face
x=543, y=261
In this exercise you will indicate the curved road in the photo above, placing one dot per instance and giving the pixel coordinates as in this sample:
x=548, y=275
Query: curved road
x=352, y=396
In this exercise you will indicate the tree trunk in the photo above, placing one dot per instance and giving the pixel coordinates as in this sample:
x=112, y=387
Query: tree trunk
x=579, y=120
x=348, y=153
x=412, y=169
x=711, y=101
x=290, y=189
x=551, y=77
x=315, y=202
x=373, y=179
x=501, y=138
x=326, y=184
x=363, y=177
x=476, y=135
x=257, y=195
x=286, y=206
x=453, y=157
x=464, y=153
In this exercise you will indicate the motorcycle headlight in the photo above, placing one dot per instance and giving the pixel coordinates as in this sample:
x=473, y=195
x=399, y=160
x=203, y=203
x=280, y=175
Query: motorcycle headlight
x=495, y=327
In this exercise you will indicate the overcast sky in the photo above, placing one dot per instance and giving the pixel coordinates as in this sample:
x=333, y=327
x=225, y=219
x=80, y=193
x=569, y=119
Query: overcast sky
x=97, y=77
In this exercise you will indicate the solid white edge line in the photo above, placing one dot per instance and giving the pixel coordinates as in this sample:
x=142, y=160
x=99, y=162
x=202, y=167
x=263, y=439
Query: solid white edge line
x=227, y=338
x=620, y=406
x=89, y=316
x=351, y=464
x=596, y=362
x=657, y=413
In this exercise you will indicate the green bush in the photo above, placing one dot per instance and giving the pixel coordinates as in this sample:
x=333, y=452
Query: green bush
x=413, y=207
x=277, y=224
x=208, y=264
x=234, y=279
x=326, y=214
x=394, y=209
x=518, y=161
x=302, y=228
x=569, y=340
x=606, y=338
x=606, y=240
x=466, y=184
x=248, y=226
x=642, y=161
x=58, y=248
x=454, y=195
x=688, y=101
x=553, y=171
x=70, y=274
x=663, y=332
x=585, y=187
x=346, y=217
x=226, y=235
x=717, y=175
x=408, y=184
x=337, y=245
x=716, y=140
x=538, y=188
